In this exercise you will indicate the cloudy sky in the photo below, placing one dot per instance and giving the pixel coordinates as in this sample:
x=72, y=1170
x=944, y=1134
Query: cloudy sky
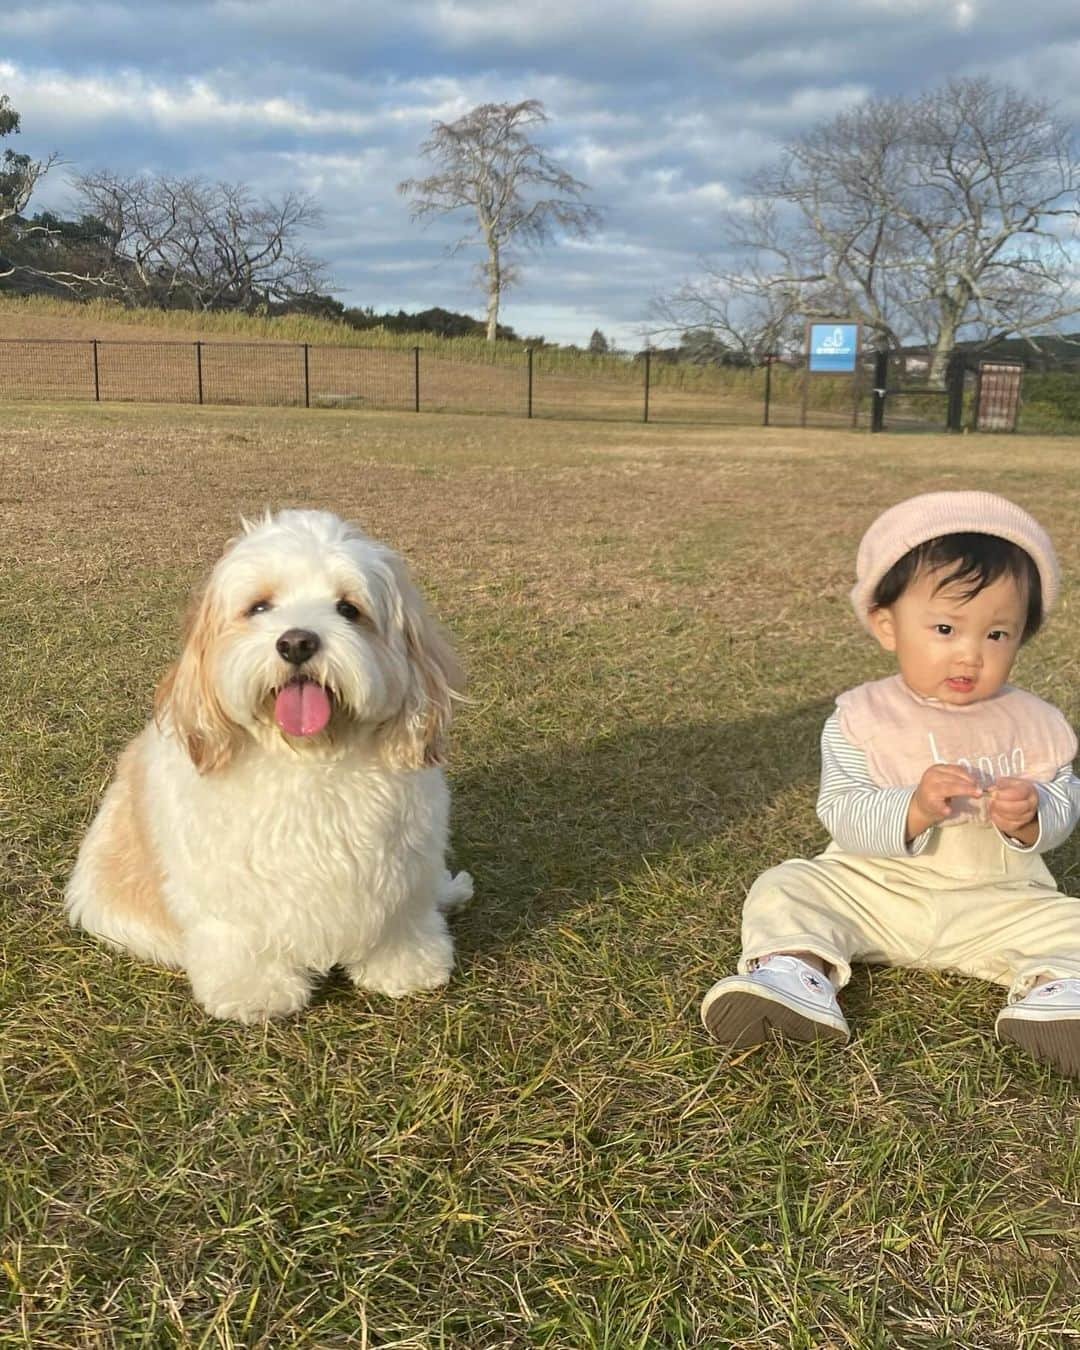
x=660, y=106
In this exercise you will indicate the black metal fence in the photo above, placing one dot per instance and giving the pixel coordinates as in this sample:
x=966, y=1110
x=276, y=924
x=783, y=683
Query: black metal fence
x=530, y=383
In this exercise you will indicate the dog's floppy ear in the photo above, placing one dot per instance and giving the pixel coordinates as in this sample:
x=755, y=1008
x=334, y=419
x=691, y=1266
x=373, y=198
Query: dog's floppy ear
x=414, y=738
x=186, y=700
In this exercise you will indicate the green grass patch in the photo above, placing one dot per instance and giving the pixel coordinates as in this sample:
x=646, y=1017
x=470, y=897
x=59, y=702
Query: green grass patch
x=549, y=1153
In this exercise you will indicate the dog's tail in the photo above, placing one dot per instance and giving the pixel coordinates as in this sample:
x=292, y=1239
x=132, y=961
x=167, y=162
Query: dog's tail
x=457, y=892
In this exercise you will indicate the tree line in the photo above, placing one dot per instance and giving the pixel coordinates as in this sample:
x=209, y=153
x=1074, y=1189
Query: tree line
x=169, y=242
x=941, y=219
x=945, y=216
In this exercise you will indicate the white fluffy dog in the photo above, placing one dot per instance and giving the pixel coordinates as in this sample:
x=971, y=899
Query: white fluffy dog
x=285, y=811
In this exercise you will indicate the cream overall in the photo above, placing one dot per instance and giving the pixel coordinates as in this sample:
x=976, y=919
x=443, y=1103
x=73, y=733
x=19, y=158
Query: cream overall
x=967, y=902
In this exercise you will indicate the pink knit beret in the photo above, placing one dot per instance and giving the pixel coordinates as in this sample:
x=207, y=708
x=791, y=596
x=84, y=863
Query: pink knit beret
x=912, y=522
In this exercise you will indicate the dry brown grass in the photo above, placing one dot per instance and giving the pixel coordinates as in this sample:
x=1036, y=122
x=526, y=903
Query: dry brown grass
x=76, y=325
x=575, y=511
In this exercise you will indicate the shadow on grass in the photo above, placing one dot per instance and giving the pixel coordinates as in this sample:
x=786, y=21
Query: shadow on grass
x=545, y=830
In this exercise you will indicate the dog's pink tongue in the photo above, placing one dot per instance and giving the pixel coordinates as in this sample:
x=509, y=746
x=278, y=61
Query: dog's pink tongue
x=302, y=708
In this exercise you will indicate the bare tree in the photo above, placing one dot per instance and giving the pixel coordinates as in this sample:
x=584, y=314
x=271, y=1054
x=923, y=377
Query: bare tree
x=491, y=167
x=946, y=215
x=19, y=176
x=185, y=243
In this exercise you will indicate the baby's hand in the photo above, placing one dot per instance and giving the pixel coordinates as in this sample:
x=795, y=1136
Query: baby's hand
x=938, y=785
x=1014, y=804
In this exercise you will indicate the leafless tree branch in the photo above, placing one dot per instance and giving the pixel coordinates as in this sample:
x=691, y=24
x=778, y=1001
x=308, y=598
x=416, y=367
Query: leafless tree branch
x=182, y=242
x=924, y=218
x=516, y=193
x=19, y=176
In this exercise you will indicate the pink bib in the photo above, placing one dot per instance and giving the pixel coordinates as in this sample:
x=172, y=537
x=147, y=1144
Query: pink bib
x=1012, y=735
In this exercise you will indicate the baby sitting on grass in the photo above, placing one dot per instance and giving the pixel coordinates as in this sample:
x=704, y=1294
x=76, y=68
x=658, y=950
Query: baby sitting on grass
x=941, y=786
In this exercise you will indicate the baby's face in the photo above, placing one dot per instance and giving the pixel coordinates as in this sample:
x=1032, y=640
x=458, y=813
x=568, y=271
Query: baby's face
x=949, y=648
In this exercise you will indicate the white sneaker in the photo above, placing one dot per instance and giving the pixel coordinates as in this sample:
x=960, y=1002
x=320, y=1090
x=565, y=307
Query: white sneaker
x=784, y=995
x=1046, y=1023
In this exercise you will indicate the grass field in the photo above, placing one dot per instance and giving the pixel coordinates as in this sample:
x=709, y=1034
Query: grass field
x=549, y=1153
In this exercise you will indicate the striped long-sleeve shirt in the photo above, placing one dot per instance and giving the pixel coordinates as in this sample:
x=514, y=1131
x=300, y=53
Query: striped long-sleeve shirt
x=866, y=818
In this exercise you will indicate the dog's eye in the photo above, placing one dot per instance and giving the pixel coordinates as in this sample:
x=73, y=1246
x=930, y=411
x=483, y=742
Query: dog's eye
x=259, y=607
x=347, y=610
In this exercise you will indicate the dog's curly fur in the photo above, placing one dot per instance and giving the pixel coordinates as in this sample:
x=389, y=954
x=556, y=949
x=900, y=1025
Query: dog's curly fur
x=255, y=857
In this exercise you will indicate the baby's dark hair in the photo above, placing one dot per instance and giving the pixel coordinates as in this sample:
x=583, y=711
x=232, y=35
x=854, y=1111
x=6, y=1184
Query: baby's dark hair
x=975, y=559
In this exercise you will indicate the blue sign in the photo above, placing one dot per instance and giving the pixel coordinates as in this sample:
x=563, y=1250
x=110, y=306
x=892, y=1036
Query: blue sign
x=833, y=346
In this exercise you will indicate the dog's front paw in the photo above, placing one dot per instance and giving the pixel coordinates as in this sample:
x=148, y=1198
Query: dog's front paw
x=251, y=997
x=414, y=961
x=395, y=984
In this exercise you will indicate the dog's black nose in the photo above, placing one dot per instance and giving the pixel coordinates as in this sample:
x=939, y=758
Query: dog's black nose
x=297, y=645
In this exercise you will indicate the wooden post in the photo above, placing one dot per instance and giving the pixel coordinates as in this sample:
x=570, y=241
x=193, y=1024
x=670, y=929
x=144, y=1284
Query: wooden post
x=881, y=382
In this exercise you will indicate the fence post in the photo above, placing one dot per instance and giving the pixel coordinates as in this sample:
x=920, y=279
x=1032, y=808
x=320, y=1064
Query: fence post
x=768, y=388
x=416, y=378
x=880, y=391
x=198, y=369
x=973, y=420
x=97, y=382
x=648, y=362
x=954, y=382
x=528, y=353
x=307, y=379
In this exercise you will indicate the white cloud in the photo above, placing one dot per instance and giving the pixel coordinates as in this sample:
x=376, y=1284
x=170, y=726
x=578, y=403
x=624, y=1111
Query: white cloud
x=807, y=105
x=661, y=106
x=191, y=105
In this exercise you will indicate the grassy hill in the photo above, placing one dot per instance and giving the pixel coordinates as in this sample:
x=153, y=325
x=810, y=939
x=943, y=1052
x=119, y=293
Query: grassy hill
x=36, y=317
x=461, y=374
